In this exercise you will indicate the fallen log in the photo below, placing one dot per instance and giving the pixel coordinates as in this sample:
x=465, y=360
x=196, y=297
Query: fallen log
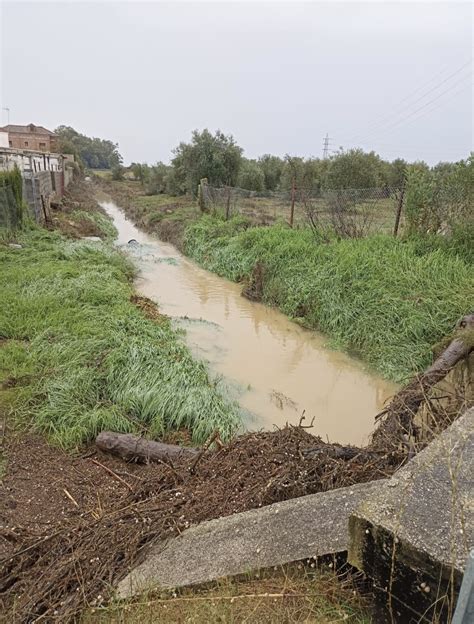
x=400, y=413
x=134, y=448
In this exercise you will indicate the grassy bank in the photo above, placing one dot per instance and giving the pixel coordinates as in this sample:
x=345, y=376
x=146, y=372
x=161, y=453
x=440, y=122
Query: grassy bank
x=384, y=299
x=82, y=357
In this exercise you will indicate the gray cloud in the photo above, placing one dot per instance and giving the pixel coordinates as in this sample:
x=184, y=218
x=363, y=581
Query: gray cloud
x=278, y=76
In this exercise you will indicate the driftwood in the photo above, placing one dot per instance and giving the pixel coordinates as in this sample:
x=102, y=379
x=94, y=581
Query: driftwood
x=134, y=448
x=400, y=413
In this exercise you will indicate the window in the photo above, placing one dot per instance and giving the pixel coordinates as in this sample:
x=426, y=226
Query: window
x=42, y=145
x=11, y=143
x=26, y=143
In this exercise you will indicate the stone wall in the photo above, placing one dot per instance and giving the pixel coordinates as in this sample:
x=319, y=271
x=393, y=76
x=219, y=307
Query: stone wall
x=37, y=193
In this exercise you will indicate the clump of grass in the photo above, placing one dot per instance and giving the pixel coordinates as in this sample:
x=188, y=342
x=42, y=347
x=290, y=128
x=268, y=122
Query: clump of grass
x=378, y=297
x=289, y=594
x=92, y=359
x=103, y=224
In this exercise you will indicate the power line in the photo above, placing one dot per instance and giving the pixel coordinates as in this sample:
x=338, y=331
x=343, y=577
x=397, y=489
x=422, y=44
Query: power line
x=398, y=110
x=420, y=108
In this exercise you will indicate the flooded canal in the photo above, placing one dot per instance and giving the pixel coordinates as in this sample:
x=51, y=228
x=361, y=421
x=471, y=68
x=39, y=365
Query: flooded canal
x=273, y=367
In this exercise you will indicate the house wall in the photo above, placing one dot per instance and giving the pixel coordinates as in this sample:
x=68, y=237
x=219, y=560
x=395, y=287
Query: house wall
x=37, y=141
x=3, y=139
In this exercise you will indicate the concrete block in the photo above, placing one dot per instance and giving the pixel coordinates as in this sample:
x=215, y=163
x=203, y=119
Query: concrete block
x=292, y=530
x=412, y=535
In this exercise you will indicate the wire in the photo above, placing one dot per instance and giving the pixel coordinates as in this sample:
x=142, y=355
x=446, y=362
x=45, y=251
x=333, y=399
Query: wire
x=397, y=111
x=420, y=108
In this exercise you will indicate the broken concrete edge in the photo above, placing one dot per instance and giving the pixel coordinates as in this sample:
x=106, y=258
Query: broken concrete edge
x=412, y=536
x=429, y=503
x=406, y=582
x=285, y=532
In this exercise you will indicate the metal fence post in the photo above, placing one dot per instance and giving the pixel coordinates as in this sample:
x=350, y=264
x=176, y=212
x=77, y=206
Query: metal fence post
x=293, y=193
x=227, y=205
x=399, y=210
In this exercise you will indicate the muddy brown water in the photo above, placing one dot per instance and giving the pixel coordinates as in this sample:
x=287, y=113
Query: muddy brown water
x=274, y=368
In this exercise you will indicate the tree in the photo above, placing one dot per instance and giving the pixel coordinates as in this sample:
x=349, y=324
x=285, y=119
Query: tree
x=157, y=179
x=94, y=153
x=354, y=169
x=308, y=173
x=440, y=197
x=394, y=173
x=251, y=176
x=140, y=171
x=216, y=157
x=272, y=167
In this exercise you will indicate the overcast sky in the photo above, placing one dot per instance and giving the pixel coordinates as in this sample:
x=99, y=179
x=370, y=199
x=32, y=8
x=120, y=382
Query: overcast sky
x=393, y=77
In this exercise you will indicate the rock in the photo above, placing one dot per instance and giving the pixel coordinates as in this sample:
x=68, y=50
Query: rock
x=15, y=246
x=93, y=239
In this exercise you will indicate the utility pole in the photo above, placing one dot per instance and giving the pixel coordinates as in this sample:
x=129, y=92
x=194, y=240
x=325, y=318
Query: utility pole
x=326, y=146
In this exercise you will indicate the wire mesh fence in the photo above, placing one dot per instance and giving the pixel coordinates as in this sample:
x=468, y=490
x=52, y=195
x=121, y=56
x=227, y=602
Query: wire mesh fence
x=347, y=213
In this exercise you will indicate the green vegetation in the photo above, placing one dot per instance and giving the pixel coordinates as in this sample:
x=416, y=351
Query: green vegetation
x=441, y=198
x=99, y=220
x=385, y=299
x=93, y=153
x=11, y=199
x=83, y=358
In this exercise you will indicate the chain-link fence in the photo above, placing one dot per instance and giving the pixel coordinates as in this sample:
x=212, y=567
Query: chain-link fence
x=346, y=212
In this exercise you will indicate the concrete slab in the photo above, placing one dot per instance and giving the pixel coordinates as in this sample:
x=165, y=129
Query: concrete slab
x=281, y=533
x=413, y=534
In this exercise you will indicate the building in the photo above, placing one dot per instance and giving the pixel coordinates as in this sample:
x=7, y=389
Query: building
x=31, y=137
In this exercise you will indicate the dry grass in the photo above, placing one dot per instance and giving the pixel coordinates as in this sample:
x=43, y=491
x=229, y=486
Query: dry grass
x=288, y=594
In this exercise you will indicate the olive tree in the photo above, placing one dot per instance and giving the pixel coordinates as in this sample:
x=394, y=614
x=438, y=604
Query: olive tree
x=251, y=176
x=216, y=157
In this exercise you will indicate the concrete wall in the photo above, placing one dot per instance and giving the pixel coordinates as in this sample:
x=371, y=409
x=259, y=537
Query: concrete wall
x=44, y=177
x=38, y=191
x=3, y=139
x=27, y=160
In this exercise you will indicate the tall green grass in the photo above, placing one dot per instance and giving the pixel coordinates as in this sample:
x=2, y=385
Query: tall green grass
x=100, y=220
x=84, y=358
x=386, y=300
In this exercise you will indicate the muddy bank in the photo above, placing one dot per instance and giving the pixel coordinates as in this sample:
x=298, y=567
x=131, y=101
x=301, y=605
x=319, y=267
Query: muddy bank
x=274, y=368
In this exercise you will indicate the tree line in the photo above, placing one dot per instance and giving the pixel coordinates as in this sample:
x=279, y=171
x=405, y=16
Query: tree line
x=93, y=153
x=434, y=195
x=217, y=157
